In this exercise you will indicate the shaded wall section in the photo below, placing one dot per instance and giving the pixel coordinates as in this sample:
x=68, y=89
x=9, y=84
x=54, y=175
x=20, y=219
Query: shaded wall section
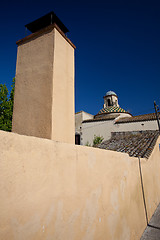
x=151, y=179
x=53, y=190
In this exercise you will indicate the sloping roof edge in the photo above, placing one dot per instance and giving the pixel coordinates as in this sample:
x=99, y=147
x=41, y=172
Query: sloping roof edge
x=139, y=118
x=135, y=143
x=99, y=119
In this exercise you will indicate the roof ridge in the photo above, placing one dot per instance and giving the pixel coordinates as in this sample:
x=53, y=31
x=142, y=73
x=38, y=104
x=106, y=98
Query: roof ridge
x=143, y=117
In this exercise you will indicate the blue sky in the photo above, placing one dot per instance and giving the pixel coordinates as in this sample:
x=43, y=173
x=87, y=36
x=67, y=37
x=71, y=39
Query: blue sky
x=117, y=48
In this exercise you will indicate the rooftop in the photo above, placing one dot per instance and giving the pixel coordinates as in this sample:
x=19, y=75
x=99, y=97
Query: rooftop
x=136, y=144
x=109, y=93
x=105, y=118
x=111, y=109
x=144, y=117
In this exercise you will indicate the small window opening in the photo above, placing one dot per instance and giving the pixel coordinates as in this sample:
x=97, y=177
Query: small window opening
x=77, y=139
x=109, y=102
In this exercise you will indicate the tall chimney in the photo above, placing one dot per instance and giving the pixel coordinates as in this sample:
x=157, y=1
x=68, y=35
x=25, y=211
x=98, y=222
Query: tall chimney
x=44, y=88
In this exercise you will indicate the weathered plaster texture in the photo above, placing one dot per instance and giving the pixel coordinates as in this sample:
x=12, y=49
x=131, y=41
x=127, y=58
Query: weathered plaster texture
x=44, y=90
x=151, y=178
x=52, y=190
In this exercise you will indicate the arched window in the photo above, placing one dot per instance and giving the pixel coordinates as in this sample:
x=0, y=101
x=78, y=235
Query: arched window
x=109, y=102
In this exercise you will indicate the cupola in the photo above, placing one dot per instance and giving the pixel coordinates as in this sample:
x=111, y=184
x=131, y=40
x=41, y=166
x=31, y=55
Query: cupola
x=110, y=99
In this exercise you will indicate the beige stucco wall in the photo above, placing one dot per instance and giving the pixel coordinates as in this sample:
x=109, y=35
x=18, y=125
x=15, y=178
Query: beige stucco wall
x=151, y=179
x=63, y=122
x=53, y=190
x=44, y=89
x=33, y=88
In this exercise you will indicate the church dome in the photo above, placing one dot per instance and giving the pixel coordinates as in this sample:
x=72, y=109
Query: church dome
x=111, y=107
x=112, y=110
x=110, y=93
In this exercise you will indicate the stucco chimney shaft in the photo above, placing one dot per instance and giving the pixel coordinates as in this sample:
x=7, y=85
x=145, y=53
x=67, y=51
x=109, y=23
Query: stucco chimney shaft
x=44, y=89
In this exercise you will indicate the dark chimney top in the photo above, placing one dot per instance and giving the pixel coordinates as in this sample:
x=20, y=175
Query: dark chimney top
x=45, y=21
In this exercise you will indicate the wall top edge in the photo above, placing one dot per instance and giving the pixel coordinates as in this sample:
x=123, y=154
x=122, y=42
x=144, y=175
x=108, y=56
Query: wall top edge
x=43, y=31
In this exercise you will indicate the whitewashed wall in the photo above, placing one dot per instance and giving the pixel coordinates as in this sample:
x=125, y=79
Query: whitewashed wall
x=79, y=118
x=136, y=126
x=104, y=129
x=99, y=128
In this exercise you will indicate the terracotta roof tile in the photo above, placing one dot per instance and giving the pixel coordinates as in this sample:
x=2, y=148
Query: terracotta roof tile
x=144, y=117
x=136, y=144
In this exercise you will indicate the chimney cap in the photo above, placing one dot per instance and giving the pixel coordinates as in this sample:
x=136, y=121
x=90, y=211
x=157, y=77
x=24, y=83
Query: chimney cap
x=45, y=21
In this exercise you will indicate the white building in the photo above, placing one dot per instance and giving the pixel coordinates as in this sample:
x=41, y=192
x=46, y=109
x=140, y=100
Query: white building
x=111, y=118
x=79, y=118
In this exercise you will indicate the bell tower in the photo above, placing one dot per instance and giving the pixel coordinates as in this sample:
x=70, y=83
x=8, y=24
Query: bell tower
x=110, y=99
